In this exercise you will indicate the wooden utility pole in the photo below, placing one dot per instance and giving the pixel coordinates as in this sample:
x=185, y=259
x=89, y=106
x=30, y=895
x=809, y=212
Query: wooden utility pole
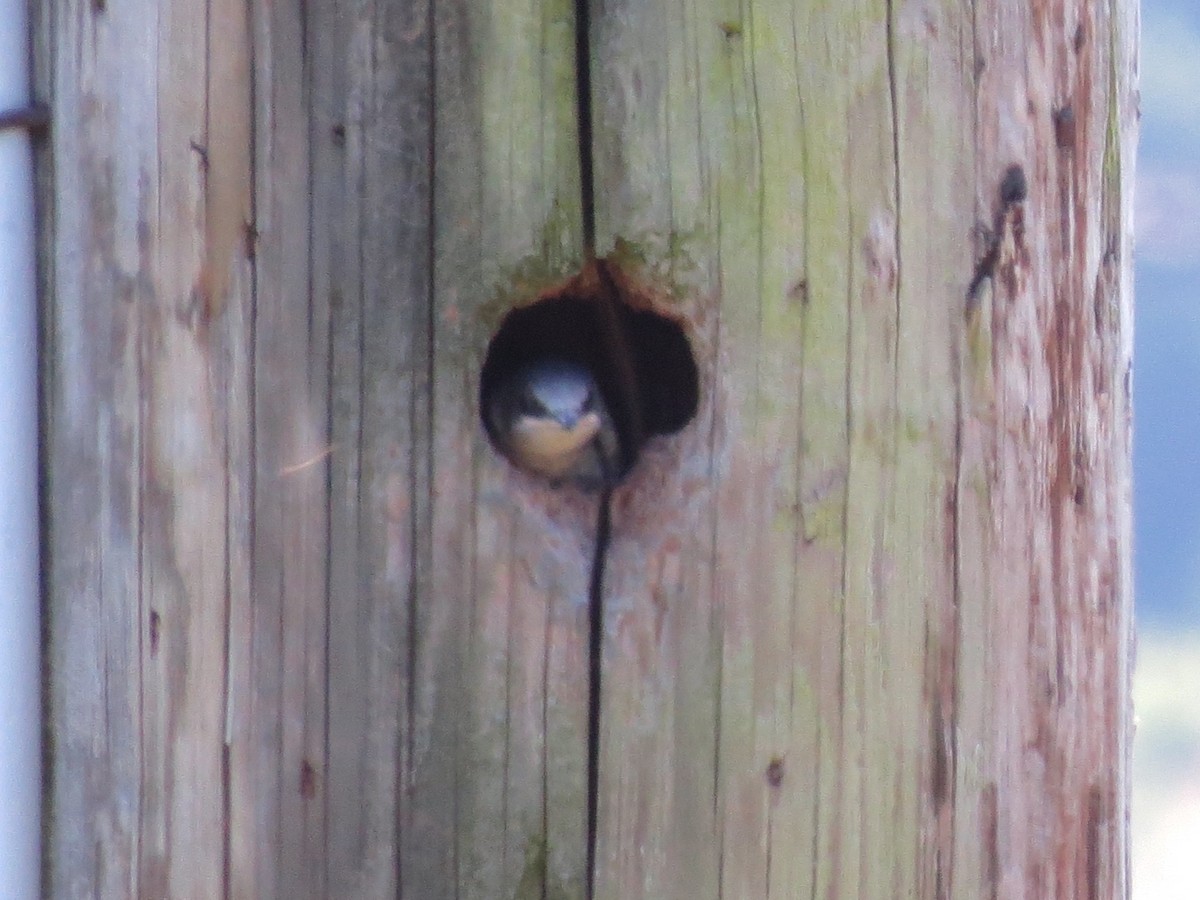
x=868, y=614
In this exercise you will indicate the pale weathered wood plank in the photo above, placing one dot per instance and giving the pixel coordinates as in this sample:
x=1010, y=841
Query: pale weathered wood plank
x=181, y=459
x=496, y=802
x=371, y=125
x=278, y=702
x=809, y=181
x=91, y=439
x=1049, y=479
x=136, y=416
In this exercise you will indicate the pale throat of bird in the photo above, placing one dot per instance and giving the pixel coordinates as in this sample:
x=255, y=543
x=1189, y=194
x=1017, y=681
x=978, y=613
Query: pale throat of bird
x=547, y=447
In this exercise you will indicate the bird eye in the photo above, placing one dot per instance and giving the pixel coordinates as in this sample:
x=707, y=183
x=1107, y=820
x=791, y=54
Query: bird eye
x=530, y=405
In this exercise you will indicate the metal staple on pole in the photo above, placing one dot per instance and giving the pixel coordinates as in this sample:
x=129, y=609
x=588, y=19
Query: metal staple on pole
x=34, y=118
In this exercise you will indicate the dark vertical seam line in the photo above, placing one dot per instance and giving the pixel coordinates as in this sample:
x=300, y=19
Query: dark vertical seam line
x=470, y=379
x=975, y=86
x=950, y=729
x=770, y=840
x=43, y=22
x=714, y=569
x=427, y=506
x=800, y=529
x=759, y=290
x=951, y=762
x=430, y=302
x=702, y=161
x=959, y=416
x=281, y=675
x=141, y=599
x=756, y=111
x=587, y=198
x=306, y=87
x=702, y=172
x=508, y=676
x=330, y=380
x=206, y=239
x=849, y=401
x=956, y=636
x=251, y=361
x=546, y=637
x=595, y=673
x=473, y=615
x=897, y=229
x=227, y=604
x=140, y=495
x=816, y=815
x=860, y=720
x=897, y=249
x=544, y=59
x=801, y=523
x=667, y=157
x=406, y=741
x=583, y=112
x=305, y=717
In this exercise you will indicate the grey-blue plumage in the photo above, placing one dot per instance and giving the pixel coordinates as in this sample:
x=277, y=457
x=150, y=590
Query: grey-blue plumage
x=550, y=419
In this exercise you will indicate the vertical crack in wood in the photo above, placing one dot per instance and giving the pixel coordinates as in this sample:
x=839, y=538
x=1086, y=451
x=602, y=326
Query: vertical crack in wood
x=760, y=249
x=595, y=672
x=945, y=737
x=945, y=649
x=587, y=197
x=989, y=812
x=770, y=842
x=801, y=519
x=46, y=237
x=545, y=861
x=330, y=388
x=405, y=744
x=251, y=407
x=1095, y=827
x=896, y=222
x=225, y=787
x=844, y=575
x=716, y=637
x=583, y=113
x=226, y=762
x=137, y=870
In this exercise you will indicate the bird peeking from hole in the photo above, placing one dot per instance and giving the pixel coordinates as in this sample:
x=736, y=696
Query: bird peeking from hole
x=573, y=386
x=550, y=420
x=570, y=389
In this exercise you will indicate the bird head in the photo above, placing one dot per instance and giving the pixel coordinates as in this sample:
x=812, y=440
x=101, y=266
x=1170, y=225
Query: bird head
x=549, y=419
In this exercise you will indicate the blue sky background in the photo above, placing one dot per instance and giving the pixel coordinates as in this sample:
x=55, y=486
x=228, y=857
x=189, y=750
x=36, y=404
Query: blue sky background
x=1167, y=321
x=1166, y=751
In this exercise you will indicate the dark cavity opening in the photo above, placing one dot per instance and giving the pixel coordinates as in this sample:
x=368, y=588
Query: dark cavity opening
x=641, y=359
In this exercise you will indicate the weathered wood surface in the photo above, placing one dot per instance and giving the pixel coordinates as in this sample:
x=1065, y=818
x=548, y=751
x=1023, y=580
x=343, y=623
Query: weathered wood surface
x=868, y=614
x=907, y=605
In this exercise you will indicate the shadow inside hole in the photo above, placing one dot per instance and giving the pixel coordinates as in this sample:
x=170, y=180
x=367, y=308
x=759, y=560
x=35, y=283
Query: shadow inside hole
x=641, y=361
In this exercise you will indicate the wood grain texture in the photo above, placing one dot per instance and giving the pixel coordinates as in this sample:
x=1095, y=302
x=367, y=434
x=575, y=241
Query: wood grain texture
x=909, y=608
x=276, y=262
x=868, y=614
